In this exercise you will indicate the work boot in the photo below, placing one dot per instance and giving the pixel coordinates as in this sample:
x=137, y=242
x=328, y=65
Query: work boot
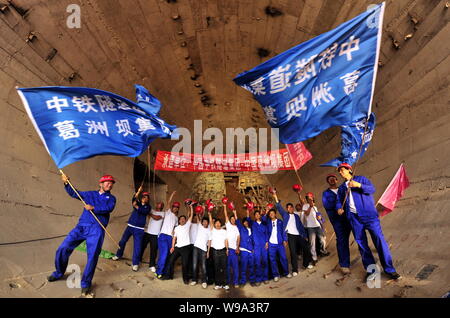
x=253, y=284
x=115, y=258
x=135, y=268
x=345, y=270
x=266, y=282
x=204, y=285
x=85, y=291
x=52, y=278
x=394, y=275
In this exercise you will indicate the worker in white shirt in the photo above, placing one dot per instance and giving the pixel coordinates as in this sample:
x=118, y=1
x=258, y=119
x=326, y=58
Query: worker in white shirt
x=181, y=247
x=313, y=227
x=151, y=234
x=165, y=236
x=233, y=238
x=218, y=246
x=199, y=253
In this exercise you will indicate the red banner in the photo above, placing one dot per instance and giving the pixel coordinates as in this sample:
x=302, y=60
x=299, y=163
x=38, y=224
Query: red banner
x=264, y=161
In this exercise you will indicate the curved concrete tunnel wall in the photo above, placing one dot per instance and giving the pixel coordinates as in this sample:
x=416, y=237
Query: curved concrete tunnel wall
x=411, y=104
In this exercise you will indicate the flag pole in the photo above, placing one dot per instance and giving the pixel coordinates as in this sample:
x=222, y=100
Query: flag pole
x=81, y=199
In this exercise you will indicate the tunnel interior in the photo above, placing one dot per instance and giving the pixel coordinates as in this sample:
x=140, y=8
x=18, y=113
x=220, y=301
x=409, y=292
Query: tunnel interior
x=186, y=53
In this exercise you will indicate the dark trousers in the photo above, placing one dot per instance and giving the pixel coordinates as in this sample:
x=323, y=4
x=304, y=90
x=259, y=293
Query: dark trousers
x=137, y=234
x=184, y=252
x=220, y=267
x=298, y=244
x=153, y=241
x=210, y=268
x=198, y=265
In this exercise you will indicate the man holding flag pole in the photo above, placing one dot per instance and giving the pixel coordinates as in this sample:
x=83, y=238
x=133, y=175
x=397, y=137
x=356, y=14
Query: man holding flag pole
x=77, y=123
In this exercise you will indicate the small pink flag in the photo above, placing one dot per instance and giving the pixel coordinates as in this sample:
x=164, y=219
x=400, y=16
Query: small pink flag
x=299, y=154
x=394, y=191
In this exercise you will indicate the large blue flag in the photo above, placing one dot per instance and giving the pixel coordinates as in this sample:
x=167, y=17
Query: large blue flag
x=351, y=138
x=324, y=82
x=77, y=123
x=147, y=100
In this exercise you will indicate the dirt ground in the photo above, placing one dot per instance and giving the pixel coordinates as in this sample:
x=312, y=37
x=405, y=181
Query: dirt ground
x=116, y=280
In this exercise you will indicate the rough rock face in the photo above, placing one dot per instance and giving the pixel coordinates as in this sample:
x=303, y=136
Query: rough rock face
x=185, y=50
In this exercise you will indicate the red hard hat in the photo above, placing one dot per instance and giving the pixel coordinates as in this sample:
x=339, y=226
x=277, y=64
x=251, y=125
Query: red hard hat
x=225, y=200
x=250, y=205
x=188, y=201
x=331, y=175
x=270, y=206
x=159, y=205
x=297, y=188
x=210, y=207
x=272, y=190
x=310, y=194
x=208, y=201
x=345, y=165
x=107, y=177
x=146, y=194
x=176, y=204
x=231, y=205
x=198, y=209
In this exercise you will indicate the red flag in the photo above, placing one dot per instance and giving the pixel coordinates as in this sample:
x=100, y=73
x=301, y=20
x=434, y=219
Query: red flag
x=394, y=191
x=299, y=154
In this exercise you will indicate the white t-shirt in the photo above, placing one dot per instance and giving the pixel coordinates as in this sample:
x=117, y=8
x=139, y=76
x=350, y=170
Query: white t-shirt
x=311, y=219
x=291, y=227
x=169, y=222
x=218, y=238
x=232, y=235
x=193, y=232
x=334, y=190
x=154, y=226
x=203, y=236
x=273, y=237
x=351, y=202
x=182, y=234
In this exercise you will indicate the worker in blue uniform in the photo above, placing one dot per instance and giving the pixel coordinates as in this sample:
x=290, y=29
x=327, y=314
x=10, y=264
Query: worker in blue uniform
x=101, y=203
x=340, y=223
x=296, y=234
x=135, y=227
x=260, y=241
x=233, y=238
x=360, y=210
x=277, y=242
x=246, y=252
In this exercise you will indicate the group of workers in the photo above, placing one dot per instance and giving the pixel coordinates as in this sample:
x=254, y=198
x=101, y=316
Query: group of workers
x=251, y=249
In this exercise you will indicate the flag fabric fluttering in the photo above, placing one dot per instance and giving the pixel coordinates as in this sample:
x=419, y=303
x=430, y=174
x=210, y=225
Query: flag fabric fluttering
x=299, y=154
x=324, y=82
x=147, y=101
x=351, y=139
x=394, y=191
x=77, y=123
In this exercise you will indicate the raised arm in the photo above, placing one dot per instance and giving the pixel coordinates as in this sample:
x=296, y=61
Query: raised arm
x=210, y=221
x=225, y=213
x=169, y=203
x=191, y=213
